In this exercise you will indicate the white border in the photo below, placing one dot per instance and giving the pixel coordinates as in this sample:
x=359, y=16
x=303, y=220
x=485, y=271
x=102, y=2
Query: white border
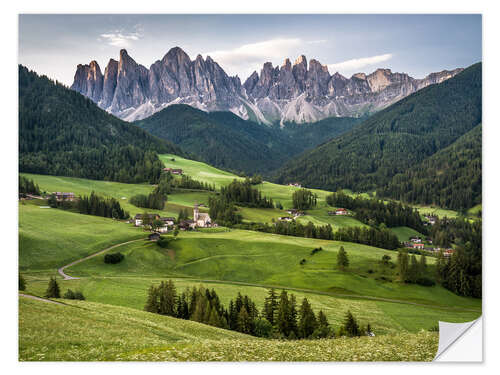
x=8, y=61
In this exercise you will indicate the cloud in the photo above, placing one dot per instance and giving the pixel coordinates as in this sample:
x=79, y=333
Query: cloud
x=245, y=59
x=317, y=41
x=119, y=38
x=356, y=64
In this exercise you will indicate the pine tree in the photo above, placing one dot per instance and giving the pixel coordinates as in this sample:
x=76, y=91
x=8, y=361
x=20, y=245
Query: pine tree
x=413, y=271
x=342, y=259
x=323, y=330
x=22, y=282
x=53, y=290
x=244, y=321
x=282, y=316
x=307, y=322
x=422, y=265
x=403, y=265
x=152, y=304
x=351, y=326
x=270, y=306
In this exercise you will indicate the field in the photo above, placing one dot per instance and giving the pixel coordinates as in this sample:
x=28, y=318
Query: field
x=227, y=260
x=85, y=331
x=404, y=233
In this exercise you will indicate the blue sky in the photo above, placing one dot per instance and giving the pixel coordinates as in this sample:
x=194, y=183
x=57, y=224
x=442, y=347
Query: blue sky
x=414, y=44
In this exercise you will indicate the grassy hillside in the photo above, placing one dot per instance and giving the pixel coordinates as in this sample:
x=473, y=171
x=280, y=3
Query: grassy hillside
x=394, y=139
x=85, y=331
x=63, y=133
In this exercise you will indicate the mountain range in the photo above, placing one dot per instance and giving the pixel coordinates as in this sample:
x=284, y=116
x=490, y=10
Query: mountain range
x=298, y=93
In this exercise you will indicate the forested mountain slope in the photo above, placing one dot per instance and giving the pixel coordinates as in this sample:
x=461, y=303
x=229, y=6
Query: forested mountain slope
x=63, y=133
x=395, y=139
x=450, y=178
x=226, y=141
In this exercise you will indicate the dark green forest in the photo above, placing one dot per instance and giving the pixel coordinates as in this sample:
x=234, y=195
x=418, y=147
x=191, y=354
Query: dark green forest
x=63, y=133
x=226, y=141
x=450, y=178
x=393, y=140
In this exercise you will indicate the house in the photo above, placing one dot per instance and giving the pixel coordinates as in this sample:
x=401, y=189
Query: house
x=341, y=211
x=201, y=220
x=295, y=213
x=419, y=246
x=154, y=236
x=173, y=170
x=415, y=239
x=138, y=219
x=187, y=225
x=61, y=196
x=285, y=218
x=168, y=221
x=431, y=219
x=448, y=252
x=295, y=184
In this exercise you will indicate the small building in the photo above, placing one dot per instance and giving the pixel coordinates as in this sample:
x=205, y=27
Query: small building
x=415, y=239
x=139, y=219
x=295, y=213
x=187, y=225
x=176, y=171
x=285, y=218
x=419, y=246
x=155, y=236
x=62, y=196
x=295, y=184
x=431, y=219
x=341, y=211
x=168, y=221
x=448, y=252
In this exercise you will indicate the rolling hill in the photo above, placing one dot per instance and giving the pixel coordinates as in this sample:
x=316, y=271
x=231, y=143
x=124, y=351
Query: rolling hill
x=63, y=133
x=395, y=139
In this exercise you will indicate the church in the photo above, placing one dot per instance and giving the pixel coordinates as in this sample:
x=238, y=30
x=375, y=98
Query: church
x=201, y=220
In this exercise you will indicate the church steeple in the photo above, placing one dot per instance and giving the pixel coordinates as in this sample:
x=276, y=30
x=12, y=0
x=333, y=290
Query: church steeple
x=196, y=212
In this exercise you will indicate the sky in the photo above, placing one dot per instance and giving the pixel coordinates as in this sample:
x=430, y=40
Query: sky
x=415, y=44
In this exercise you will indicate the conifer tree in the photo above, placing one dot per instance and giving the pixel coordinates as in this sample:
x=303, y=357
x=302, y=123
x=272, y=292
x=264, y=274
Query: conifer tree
x=413, y=271
x=22, y=282
x=422, y=265
x=342, y=259
x=244, y=323
x=152, y=304
x=403, y=265
x=307, y=322
x=282, y=315
x=53, y=290
x=351, y=326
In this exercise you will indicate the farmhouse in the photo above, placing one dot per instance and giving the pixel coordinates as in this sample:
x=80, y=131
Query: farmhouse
x=416, y=239
x=295, y=212
x=173, y=170
x=431, y=219
x=61, y=196
x=448, y=252
x=341, y=211
x=285, y=218
x=419, y=246
x=168, y=221
x=139, y=219
x=187, y=225
x=295, y=184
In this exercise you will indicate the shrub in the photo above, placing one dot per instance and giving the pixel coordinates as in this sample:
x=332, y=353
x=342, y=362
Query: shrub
x=425, y=281
x=22, y=282
x=79, y=295
x=113, y=258
x=263, y=328
x=163, y=242
x=302, y=262
x=69, y=294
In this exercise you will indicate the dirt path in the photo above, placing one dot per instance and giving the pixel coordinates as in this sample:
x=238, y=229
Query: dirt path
x=40, y=299
x=67, y=277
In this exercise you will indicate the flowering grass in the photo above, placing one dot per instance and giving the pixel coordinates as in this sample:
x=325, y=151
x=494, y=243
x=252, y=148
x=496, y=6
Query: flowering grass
x=85, y=331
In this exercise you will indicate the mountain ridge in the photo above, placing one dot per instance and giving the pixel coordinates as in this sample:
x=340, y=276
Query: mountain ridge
x=298, y=92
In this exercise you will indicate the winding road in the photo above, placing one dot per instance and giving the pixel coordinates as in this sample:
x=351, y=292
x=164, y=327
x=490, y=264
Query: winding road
x=67, y=277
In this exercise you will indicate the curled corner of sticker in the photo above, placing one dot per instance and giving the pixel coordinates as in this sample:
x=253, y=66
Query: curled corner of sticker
x=449, y=333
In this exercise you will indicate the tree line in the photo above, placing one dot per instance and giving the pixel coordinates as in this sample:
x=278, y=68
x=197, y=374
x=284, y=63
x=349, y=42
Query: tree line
x=280, y=317
x=413, y=271
x=101, y=206
x=304, y=199
x=28, y=186
x=374, y=212
x=242, y=193
x=153, y=200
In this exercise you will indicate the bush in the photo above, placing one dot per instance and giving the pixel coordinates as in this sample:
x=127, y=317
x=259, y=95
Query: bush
x=113, y=258
x=163, y=242
x=69, y=294
x=263, y=328
x=73, y=295
x=22, y=282
x=53, y=289
x=425, y=281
